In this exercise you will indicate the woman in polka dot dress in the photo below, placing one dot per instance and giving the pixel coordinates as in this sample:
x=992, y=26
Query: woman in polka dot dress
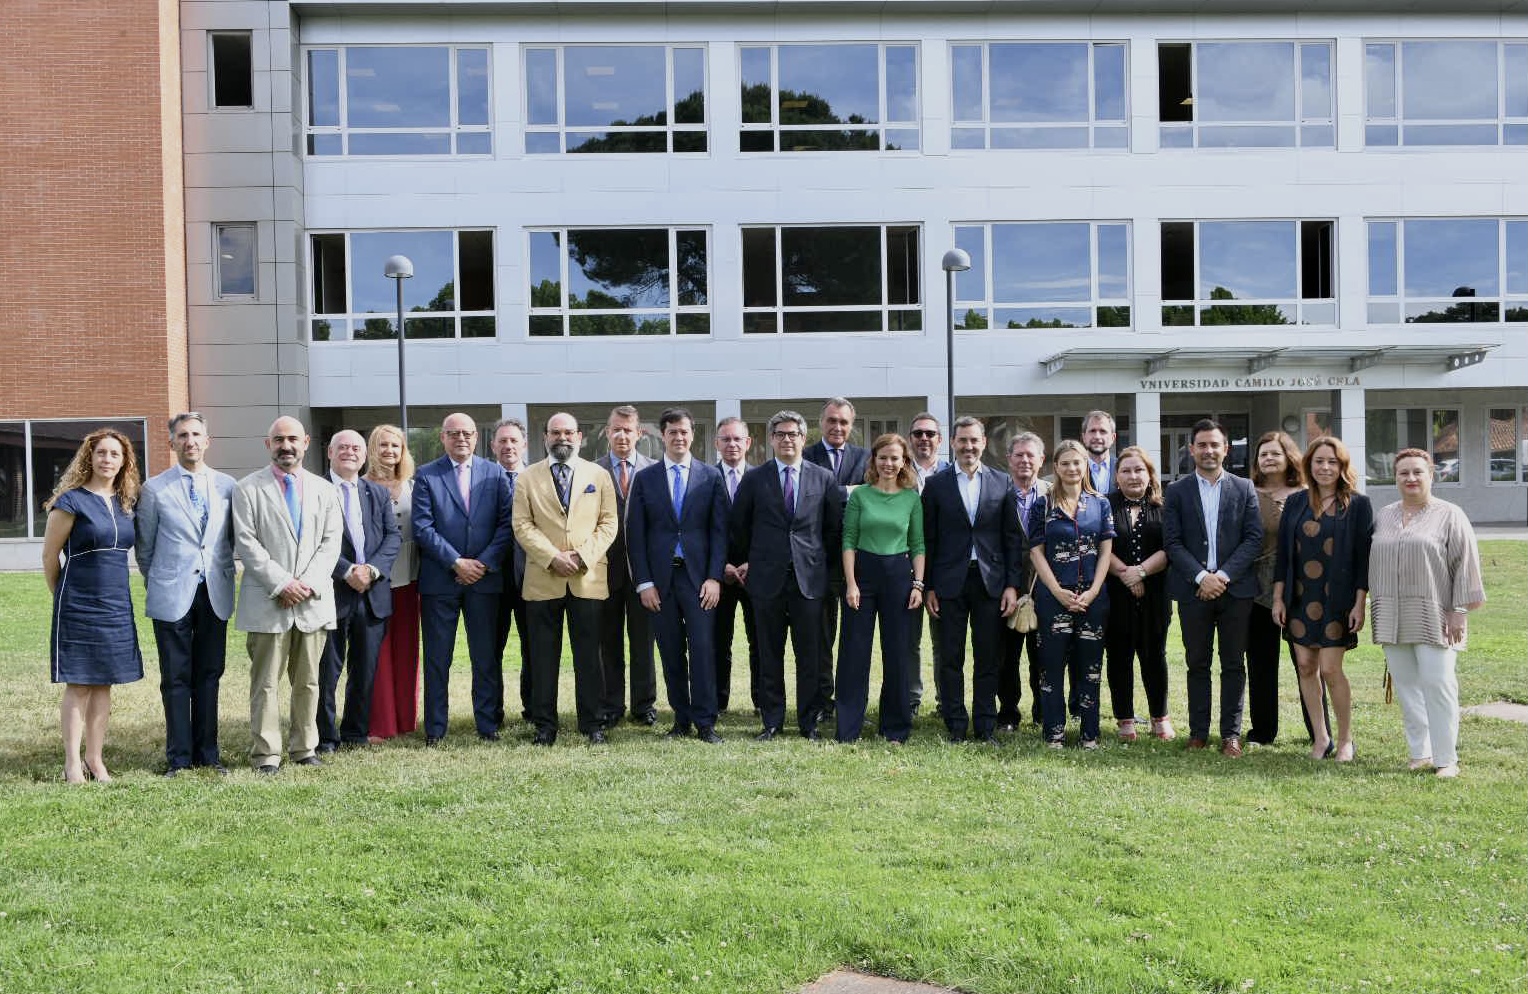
x=1321, y=583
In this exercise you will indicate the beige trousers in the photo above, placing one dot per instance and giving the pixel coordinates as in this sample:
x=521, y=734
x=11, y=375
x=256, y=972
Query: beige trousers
x=294, y=654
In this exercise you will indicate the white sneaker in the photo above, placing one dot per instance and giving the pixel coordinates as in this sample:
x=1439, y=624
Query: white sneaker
x=1448, y=772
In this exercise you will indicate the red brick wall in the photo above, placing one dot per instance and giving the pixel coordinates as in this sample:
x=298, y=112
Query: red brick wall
x=92, y=256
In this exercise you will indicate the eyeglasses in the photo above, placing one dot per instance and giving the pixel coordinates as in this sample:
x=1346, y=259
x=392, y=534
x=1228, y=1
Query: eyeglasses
x=458, y=432
x=924, y=433
x=787, y=435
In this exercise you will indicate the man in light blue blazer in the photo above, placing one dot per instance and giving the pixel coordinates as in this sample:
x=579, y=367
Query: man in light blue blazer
x=463, y=526
x=185, y=551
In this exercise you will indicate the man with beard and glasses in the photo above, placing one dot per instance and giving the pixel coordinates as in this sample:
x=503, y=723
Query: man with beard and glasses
x=565, y=518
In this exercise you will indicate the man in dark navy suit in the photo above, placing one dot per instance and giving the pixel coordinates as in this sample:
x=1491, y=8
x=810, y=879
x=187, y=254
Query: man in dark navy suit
x=509, y=449
x=623, y=623
x=848, y=463
x=676, y=528
x=786, y=526
x=363, y=595
x=462, y=525
x=1212, y=532
x=975, y=568
x=732, y=443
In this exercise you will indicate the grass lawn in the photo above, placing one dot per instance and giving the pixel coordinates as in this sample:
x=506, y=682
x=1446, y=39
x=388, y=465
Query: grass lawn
x=748, y=867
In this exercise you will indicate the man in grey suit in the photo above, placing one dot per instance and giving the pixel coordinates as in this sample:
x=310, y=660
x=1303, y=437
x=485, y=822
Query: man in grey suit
x=185, y=552
x=1212, y=531
x=287, y=529
x=623, y=619
x=363, y=594
x=975, y=566
x=785, y=527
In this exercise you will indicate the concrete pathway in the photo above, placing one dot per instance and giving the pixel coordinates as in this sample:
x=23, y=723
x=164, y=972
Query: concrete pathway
x=848, y=982
x=1505, y=710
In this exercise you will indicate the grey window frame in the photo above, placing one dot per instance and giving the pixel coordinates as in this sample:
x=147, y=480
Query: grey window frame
x=218, y=292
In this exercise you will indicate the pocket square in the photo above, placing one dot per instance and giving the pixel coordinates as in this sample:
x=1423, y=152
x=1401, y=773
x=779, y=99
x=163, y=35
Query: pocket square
x=589, y=489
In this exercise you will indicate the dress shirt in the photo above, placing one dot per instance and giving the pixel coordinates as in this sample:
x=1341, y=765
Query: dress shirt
x=970, y=487
x=732, y=475
x=350, y=514
x=1024, y=500
x=924, y=474
x=1102, y=473
x=1209, y=501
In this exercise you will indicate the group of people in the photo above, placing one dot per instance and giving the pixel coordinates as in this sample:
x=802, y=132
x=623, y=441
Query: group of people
x=821, y=544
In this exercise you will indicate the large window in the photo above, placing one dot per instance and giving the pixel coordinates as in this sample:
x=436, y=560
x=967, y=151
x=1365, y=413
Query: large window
x=398, y=100
x=615, y=98
x=1389, y=430
x=1456, y=92
x=619, y=281
x=450, y=294
x=33, y=457
x=1056, y=94
x=815, y=98
x=1447, y=270
x=838, y=278
x=1245, y=94
x=1045, y=274
x=1507, y=441
x=1248, y=272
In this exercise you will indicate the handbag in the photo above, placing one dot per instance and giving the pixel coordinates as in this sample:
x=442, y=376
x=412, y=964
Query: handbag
x=1023, y=619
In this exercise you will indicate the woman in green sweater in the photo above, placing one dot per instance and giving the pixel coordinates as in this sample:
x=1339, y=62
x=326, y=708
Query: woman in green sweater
x=883, y=579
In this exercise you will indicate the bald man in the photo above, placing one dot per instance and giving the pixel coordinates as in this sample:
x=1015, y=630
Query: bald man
x=287, y=530
x=363, y=594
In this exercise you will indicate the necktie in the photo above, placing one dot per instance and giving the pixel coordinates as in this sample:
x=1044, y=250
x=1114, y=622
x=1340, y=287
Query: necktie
x=464, y=484
x=353, y=522
x=560, y=472
x=678, y=506
x=731, y=483
x=625, y=479
x=790, y=493
x=512, y=478
x=294, y=506
x=834, y=455
x=198, y=503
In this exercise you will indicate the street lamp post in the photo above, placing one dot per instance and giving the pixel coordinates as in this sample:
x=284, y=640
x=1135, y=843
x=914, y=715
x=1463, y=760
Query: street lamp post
x=954, y=261
x=399, y=268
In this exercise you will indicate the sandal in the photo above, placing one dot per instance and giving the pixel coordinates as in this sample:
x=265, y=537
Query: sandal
x=1127, y=731
x=1162, y=728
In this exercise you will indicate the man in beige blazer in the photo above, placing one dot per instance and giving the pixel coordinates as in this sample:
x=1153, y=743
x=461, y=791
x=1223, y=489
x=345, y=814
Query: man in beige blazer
x=565, y=518
x=287, y=530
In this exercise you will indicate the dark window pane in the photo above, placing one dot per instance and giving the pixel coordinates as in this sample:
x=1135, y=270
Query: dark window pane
x=689, y=86
x=694, y=324
x=375, y=329
x=232, y=70
x=1316, y=268
x=689, y=141
x=829, y=141
x=584, y=325
x=429, y=327
x=831, y=266
x=812, y=322
x=323, y=88
x=760, y=324
x=1114, y=317
x=902, y=265
x=13, y=480
x=1174, y=83
x=329, y=274
x=1464, y=312
x=618, y=268
x=546, y=269
x=904, y=320
x=1176, y=317
x=478, y=327
x=324, y=330
x=691, y=264
x=759, y=268
x=475, y=257
x=53, y=446
x=1177, y=263
x=546, y=326
x=601, y=142
x=756, y=141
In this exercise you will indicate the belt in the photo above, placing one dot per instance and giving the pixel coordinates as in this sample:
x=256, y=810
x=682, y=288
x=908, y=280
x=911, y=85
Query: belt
x=677, y=562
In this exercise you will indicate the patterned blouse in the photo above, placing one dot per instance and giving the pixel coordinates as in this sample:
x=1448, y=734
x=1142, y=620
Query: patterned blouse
x=1071, y=546
x=1420, y=571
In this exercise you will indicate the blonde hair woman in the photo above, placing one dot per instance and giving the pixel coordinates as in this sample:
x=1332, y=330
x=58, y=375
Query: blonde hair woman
x=395, y=694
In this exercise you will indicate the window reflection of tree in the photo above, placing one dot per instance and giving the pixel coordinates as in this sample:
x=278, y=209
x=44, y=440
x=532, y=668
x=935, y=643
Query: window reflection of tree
x=798, y=109
x=688, y=110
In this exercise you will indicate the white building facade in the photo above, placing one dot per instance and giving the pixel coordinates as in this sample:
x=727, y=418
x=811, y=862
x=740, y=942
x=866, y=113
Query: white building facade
x=1310, y=218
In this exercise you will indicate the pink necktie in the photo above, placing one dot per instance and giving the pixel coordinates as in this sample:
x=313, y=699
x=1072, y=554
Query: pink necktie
x=464, y=483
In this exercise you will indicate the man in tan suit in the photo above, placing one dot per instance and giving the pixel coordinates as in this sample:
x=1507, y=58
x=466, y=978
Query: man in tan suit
x=565, y=518
x=287, y=530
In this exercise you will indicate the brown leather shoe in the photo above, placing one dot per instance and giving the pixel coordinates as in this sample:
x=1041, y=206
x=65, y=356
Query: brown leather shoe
x=1197, y=744
x=1231, y=747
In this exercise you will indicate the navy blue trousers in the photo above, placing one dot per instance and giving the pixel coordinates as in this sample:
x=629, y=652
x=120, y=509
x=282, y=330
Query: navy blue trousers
x=885, y=582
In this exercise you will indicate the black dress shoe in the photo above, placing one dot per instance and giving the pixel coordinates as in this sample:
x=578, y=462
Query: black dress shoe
x=327, y=748
x=543, y=738
x=812, y=735
x=218, y=768
x=956, y=737
x=597, y=737
x=646, y=718
x=174, y=771
x=489, y=736
x=310, y=761
x=431, y=741
x=268, y=769
x=677, y=732
x=1008, y=727
x=708, y=735
x=768, y=735
x=987, y=738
